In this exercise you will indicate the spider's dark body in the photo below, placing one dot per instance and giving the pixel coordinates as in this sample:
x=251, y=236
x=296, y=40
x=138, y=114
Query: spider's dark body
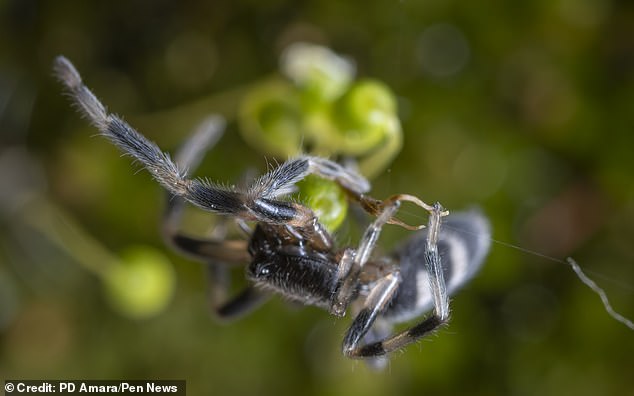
x=289, y=252
x=285, y=265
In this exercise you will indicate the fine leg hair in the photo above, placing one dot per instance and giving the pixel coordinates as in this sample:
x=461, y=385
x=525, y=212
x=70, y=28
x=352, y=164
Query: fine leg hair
x=257, y=203
x=384, y=290
x=189, y=157
x=214, y=251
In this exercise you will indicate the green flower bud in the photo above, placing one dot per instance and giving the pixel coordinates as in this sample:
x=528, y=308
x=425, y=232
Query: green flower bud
x=142, y=284
x=321, y=74
x=326, y=199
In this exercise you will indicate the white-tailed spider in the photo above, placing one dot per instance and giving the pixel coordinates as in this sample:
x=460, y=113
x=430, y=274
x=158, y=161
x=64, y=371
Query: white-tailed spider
x=289, y=252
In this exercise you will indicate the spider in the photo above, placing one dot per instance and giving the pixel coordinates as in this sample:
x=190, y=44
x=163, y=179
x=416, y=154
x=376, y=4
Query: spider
x=289, y=252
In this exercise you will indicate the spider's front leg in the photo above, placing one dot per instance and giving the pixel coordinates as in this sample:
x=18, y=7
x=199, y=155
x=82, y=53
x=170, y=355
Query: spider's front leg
x=382, y=294
x=260, y=202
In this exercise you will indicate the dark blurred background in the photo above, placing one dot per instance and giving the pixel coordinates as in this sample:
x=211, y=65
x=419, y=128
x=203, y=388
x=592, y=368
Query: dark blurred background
x=524, y=109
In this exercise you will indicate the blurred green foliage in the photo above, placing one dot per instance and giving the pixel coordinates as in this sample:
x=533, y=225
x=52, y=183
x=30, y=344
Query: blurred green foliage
x=524, y=109
x=319, y=109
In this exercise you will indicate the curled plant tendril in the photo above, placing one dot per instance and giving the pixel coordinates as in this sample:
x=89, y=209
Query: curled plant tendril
x=270, y=119
x=317, y=107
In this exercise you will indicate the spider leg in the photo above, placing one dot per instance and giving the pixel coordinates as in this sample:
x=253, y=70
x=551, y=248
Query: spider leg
x=189, y=157
x=257, y=203
x=379, y=331
x=214, y=251
x=380, y=295
x=373, y=305
x=352, y=262
x=245, y=302
x=223, y=306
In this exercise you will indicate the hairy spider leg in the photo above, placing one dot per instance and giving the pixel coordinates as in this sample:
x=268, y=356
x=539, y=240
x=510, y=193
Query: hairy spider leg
x=376, y=302
x=215, y=251
x=189, y=157
x=257, y=203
